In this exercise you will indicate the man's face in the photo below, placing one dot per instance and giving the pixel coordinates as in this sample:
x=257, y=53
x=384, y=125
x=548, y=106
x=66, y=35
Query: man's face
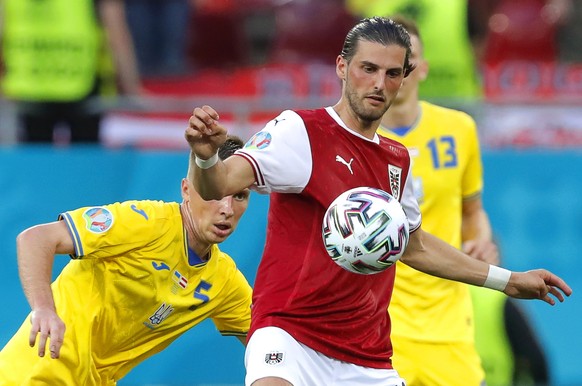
x=215, y=220
x=372, y=78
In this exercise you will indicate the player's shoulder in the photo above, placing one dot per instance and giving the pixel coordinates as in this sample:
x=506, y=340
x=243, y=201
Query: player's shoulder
x=431, y=108
x=289, y=115
x=310, y=112
x=453, y=117
x=153, y=206
x=151, y=211
x=318, y=114
x=286, y=120
x=225, y=262
x=392, y=144
x=142, y=207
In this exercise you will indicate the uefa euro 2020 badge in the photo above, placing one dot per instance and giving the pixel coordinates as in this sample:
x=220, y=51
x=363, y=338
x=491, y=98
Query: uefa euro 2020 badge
x=98, y=219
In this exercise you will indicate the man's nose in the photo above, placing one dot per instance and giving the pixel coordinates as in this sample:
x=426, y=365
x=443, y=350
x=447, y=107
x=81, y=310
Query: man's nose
x=226, y=206
x=380, y=81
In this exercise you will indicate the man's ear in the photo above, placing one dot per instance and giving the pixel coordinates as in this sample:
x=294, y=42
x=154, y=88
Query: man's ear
x=422, y=67
x=185, y=189
x=341, y=67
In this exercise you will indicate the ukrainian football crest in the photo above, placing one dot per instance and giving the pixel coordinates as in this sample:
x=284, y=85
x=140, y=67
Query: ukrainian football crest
x=159, y=316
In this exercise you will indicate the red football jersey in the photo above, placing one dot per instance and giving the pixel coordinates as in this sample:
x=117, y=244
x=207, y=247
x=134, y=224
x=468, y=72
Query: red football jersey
x=298, y=287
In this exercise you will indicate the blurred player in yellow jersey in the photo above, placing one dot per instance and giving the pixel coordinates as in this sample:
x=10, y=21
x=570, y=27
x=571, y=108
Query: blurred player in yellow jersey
x=432, y=318
x=143, y=273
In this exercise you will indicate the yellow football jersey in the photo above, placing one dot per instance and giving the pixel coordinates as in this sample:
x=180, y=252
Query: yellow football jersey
x=446, y=169
x=133, y=287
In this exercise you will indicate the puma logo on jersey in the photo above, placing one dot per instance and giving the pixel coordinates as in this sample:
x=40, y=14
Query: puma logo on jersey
x=277, y=120
x=339, y=159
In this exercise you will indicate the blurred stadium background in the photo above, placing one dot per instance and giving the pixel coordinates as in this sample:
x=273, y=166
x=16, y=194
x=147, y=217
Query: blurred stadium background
x=250, y=59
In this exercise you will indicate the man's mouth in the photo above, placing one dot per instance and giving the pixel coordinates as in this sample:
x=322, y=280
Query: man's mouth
x=223, y=229
x=378, y=98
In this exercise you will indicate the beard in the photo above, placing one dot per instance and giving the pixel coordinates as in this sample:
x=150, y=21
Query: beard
x=363, y=113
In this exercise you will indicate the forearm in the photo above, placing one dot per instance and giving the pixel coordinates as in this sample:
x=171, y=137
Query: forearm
x=476, y=233
x=36, y=248
x=476, y=226
x=216, y=179
x=433, y=256
x=35, y=261
x=208, y=182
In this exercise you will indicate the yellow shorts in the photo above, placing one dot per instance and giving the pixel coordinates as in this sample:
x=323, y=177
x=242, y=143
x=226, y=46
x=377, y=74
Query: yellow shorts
x=437, y=364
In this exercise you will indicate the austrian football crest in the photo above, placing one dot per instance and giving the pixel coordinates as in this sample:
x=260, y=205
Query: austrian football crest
x=273, y=358
x=394, y=178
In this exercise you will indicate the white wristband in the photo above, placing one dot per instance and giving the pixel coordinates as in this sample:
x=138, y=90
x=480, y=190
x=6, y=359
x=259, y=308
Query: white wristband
x=497, y=278
x=206, y=163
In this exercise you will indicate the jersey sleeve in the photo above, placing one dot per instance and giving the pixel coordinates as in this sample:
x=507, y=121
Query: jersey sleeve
x=110, y=230
x=280, y=155
x=233, y=317
x=410, y=204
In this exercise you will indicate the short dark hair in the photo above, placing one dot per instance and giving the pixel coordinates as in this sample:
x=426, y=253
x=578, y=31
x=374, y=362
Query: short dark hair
x=409, y=24
x=379, y=30
x=232, y=144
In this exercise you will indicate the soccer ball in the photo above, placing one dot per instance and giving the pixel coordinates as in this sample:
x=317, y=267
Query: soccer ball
x=365, y=230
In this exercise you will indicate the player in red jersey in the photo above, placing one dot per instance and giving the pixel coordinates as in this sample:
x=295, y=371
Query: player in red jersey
x=314, y=323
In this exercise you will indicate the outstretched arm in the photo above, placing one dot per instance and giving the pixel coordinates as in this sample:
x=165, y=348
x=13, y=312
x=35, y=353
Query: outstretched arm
x=36, y=248
x=431, y=255
x=211, y=177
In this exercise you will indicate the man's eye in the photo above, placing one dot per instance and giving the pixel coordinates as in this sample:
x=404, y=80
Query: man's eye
x=241, y=196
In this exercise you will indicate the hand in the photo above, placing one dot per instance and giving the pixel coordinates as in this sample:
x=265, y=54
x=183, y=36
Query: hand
x=204, y=133
x=484, y=250
x=47, y=325
x=537, y=284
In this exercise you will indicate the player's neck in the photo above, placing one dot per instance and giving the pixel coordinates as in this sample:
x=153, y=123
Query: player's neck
x=194, y=258
x=201, y=249
x=353, y=122
x=402, y=114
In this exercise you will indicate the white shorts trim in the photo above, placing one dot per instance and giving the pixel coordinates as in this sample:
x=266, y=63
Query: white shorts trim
x=272, y=352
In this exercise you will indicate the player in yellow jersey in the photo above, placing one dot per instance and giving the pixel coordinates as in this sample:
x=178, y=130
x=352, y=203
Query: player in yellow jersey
x=143, y=273
x=432, y=318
